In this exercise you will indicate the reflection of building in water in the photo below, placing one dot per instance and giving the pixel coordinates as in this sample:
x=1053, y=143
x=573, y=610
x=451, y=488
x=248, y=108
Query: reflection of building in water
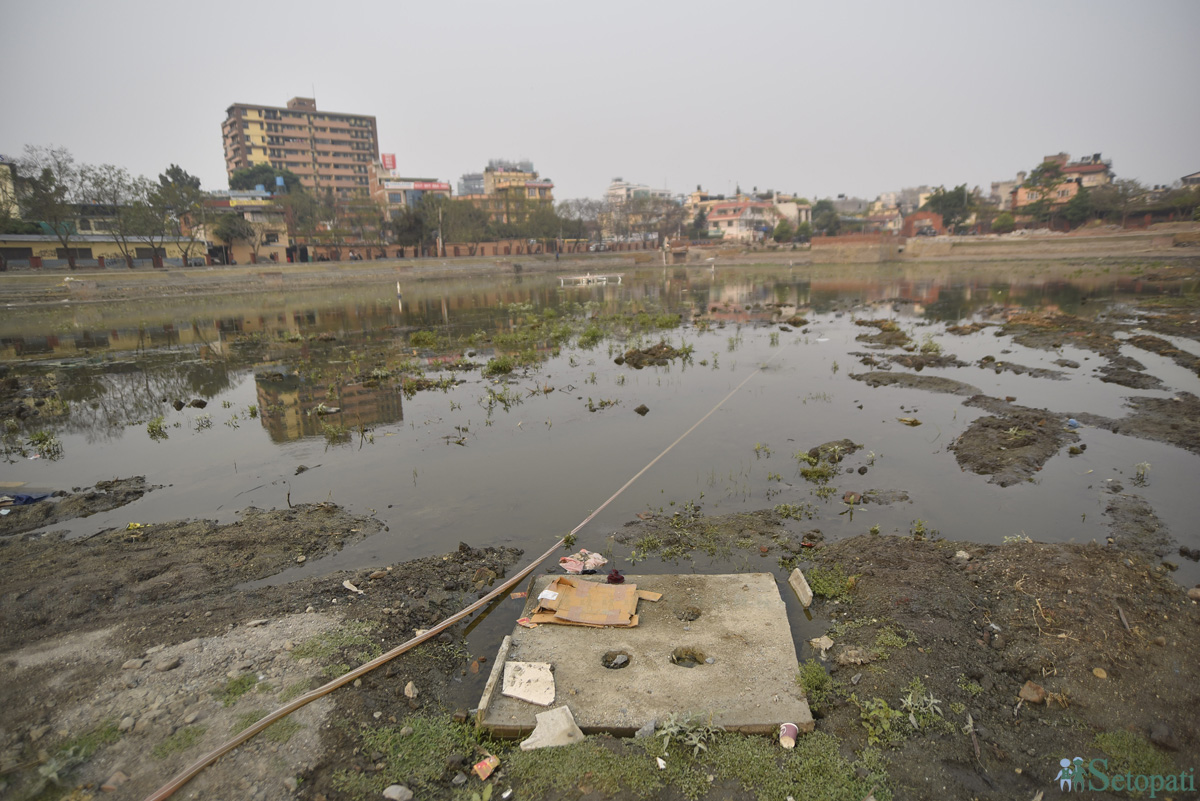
x=286, y=403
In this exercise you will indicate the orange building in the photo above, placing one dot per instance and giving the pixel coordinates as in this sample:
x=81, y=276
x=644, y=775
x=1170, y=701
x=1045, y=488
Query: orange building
x=327, y=150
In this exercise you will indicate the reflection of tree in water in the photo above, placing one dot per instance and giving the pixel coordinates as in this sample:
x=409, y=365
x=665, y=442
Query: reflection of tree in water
x=104, y=399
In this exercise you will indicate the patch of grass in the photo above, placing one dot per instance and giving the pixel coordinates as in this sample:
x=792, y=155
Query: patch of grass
x=49, y=447
x=815, y=768
x=1133, y=753
x=181, y=740
x=591, y=337
x=157, y=429
x=499, y=365
x=830, y=582
x=423, y=339
x=419, y=757
x=885, y=726
x=555, y=771
x=690, y=732
x=796, y=511
x=93, y=740
x=889, y=639
x=235, y=688
x=820, y=474
x=816, y=683
x=278, y=732
x=967, y=686
x=352, y=640
x=295, y=690
x=923, y=709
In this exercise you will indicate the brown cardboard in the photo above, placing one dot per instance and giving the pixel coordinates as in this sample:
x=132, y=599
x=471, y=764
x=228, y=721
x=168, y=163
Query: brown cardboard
x=588, y=603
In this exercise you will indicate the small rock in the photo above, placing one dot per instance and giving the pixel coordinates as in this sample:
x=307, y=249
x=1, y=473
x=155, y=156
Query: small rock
x=459, y=779
x=862, y=471
x=998, y=642
x=256, y=623
x=190, y=718
x=648, y=729
x=856, y=678
x=398, y=792
x=178, y=404
x=114, y=781
x=642, y=410
x=38, y=733
x=1161, y=735
x=127, y=723
x=301, y=559
x=1194, y=594
x=1160, y=641
x=163, y=665
x=410, y=690
x=198, y=403
x=291, y=784
x=406, y=731
x=133, y=664
x=1100, y=673
x=1033, y=693
x=310, y=609
x=378, y=574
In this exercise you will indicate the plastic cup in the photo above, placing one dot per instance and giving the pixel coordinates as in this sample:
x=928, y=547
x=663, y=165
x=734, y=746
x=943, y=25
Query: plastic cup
x=787, y=734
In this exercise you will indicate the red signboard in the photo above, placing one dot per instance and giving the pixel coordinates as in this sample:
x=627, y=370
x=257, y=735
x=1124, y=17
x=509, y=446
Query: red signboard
x=388, y=160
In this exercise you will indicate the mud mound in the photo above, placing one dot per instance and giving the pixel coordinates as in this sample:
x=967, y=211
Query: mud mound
x=104, y=496
x=1012, y=446
x=657, y=355
x=929, y=383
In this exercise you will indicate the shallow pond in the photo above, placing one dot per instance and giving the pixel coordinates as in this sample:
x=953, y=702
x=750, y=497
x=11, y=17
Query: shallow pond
x=520, y=459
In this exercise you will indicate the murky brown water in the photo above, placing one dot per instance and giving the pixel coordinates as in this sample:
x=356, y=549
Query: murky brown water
x=440, y=467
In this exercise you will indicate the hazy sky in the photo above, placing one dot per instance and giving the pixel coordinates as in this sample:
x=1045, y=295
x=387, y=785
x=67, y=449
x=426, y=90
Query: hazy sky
x=815, y=98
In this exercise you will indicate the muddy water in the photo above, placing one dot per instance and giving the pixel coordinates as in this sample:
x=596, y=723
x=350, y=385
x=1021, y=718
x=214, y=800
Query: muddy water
x=440, y=467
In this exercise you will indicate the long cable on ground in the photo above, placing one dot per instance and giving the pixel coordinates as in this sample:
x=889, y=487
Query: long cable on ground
x=191, y=771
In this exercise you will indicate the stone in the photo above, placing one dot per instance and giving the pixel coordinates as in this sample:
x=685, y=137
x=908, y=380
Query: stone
x=647, y=730
x=127, y=723
x=1161, y=735
x=1160, y=641
x=1194, y=594
x=1033, y=693
x=398, y=792
x=291, y=784
x=799, y=585
x=114, y=781
x=554, y=727
x=459, y=779
x=190, y=718
x=642, y=410
x=301, y=559
x=529, y=681
x=38, y=733
x=133, y=664
x=255, y=623
x=998, y=642
x=1100, y=673
x=170, y=663
x=410, y=690
x=854, y=656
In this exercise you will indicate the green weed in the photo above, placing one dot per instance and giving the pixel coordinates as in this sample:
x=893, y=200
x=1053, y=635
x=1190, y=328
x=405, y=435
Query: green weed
x=830, y=582
x=181, y=740
x=235, y=688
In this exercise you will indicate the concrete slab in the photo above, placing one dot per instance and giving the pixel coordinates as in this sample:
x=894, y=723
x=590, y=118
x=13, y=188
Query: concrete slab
x=739, y=622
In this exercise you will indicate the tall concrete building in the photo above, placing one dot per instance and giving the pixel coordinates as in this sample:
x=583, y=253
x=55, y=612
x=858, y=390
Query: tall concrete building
x=326, y=149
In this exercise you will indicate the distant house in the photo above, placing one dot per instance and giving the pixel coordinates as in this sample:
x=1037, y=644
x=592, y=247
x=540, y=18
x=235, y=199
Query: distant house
x=741, y=220
x=889, y=221
x=1191, y=180
x=1089, y=171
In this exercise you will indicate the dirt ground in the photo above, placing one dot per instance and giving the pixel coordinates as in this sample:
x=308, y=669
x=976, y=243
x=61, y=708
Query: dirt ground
x=133, y=652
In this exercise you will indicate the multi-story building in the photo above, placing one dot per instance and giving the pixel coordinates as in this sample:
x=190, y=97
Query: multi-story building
x=742, y=220
x=395, y=192
x=1088, y=172
x=327, y=150
x=622, y=191
x=511, y=191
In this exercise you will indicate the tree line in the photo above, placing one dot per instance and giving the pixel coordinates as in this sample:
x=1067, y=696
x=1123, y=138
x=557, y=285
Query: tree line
x=54, y=194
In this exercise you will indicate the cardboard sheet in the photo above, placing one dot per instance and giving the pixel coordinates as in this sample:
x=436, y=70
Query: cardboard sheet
x=574, y=602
